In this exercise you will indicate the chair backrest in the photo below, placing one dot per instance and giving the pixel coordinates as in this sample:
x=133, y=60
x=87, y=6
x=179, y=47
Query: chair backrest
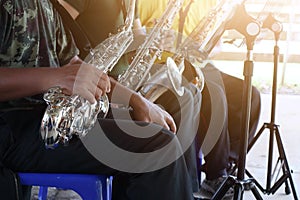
x=88, y=186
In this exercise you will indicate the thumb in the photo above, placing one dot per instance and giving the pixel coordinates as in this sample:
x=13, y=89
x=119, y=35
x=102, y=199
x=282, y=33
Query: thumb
x=76, y=60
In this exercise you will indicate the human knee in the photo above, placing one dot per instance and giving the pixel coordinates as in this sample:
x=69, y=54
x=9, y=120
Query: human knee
x=256, y=97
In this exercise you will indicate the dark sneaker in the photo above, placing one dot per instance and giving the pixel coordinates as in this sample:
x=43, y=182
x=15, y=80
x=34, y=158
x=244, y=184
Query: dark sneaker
x=210, y=187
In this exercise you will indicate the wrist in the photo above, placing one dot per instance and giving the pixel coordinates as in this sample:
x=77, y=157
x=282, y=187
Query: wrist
x=51, y=79
x=136, y=101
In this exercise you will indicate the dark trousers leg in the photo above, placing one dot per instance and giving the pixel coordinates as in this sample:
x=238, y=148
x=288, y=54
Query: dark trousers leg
x=28, y=154
x=186, y=111
x=234, y=92
x=213, y=137
x=232, y=87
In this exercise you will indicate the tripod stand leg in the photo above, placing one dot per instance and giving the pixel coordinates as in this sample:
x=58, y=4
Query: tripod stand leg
x=256, y=193
x=226, y=185
x=285, y=167
x=255, y=181
x=238, y=191
x=270, y=156
x=257, y=135
x=274, y=134
x=239, y=188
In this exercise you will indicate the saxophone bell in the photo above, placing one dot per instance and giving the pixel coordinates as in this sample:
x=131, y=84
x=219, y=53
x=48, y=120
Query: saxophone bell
x=69, y=116
x=167, y=77
x=175, y=76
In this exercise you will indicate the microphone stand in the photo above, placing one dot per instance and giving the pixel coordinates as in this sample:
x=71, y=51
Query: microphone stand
x=248, y=27
x=276, y=28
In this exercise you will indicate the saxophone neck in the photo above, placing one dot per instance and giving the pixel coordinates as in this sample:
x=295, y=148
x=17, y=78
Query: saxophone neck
x=130, y=15
x=146, y=54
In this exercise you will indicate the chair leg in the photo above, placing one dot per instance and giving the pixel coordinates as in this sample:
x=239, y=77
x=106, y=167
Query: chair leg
x=43, y=193
x=109, y=187
x=87, y=186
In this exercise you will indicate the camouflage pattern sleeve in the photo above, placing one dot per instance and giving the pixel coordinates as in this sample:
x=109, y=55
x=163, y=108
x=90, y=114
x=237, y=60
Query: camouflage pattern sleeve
x=32, y=35
x=65, y=48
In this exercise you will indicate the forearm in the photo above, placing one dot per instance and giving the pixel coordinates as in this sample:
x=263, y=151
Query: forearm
x=17, y=83
x=122, y=95
x=142, y=109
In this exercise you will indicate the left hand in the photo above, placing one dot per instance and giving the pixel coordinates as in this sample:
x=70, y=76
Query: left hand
x=144, y=110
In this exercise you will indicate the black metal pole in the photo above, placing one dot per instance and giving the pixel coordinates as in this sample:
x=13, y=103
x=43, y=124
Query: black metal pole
x=246, y=106
x=250, y=29
x=276, y=27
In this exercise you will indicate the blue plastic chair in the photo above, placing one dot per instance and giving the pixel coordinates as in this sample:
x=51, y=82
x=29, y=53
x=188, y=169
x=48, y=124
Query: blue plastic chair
x=200, y=157
x=88, y=186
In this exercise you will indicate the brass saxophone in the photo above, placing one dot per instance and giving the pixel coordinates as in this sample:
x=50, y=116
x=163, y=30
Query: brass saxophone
x=138, y=71
x=195, y=49
x=68, y=116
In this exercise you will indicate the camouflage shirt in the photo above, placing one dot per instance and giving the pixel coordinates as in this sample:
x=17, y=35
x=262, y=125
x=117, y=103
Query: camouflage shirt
x=32, y=35
x=99, y=18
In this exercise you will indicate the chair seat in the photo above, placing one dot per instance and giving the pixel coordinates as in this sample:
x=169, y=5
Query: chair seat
x=88, y=186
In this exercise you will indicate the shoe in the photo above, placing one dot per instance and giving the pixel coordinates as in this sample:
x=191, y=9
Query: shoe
x=210, y=187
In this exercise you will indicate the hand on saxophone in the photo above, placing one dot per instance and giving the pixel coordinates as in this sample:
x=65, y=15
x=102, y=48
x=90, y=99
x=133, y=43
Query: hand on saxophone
x=78, y=77
x=144, y=110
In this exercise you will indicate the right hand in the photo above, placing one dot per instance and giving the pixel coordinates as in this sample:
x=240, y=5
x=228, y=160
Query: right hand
x=83, y=79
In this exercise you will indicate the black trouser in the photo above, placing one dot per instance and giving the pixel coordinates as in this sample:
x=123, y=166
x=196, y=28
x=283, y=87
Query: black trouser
x=213, y=138
x=234, y=92
x=230, y=91
x=26, y=153
x=186, y=111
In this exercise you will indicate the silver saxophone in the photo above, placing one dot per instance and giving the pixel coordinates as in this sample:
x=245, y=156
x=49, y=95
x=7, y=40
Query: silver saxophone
x=199, y=44
x=68, y=116
x=138, y=71
x=195, y=49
